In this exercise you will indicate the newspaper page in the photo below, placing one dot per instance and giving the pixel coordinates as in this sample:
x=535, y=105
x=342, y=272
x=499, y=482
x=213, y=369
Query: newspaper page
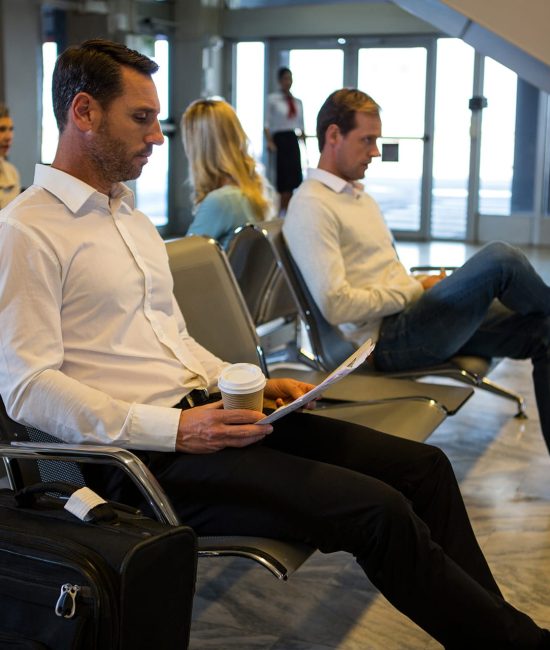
x=349, y=365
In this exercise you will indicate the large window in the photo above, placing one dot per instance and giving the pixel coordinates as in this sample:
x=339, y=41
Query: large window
x=449, y=158
x=396, y=79
x=50, y=133
x=249, y=92
x=497, y=139
x=152, y=185
x=313, y=89
x=451, y=162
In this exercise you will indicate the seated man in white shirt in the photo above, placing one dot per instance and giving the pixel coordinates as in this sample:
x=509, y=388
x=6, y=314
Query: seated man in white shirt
x=10, y=185
x=495, y=305
x=95, y=349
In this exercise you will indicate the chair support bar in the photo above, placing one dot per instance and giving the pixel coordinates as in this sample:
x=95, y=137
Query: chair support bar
x=327, y=403
x=102, y=455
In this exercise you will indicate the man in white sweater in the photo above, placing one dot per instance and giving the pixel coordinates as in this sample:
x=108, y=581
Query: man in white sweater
x=495, y=305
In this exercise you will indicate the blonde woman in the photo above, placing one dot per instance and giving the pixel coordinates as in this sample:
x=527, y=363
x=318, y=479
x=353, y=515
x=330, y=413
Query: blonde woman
x=227, y=190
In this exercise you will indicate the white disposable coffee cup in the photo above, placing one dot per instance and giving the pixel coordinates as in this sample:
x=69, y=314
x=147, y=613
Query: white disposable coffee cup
x=242, y=387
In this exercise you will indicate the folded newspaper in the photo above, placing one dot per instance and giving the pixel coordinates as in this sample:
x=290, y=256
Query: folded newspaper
x=349, y=365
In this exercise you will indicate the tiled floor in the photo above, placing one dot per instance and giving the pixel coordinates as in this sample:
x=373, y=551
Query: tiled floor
x=504, y=472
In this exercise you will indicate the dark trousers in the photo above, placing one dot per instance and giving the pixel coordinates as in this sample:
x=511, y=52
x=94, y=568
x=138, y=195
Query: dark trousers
x=393, y=503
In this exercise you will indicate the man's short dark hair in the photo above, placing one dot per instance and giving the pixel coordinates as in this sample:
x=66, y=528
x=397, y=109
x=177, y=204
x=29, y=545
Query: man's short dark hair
x=4, y=110
x=93, y=67
x=340, y=108
x=281, y=72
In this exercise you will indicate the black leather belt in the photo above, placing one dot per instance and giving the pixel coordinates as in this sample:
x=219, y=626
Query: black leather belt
x=196, y=397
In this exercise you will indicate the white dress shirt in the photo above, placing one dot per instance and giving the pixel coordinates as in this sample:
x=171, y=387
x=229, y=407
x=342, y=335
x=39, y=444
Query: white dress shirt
x=94, y=346
x=276, y=118
x=10, y=185
x=344, y=250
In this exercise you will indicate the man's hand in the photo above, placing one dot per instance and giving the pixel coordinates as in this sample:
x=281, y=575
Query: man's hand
x=286, y=390
x=429, y=281
x=209, y=428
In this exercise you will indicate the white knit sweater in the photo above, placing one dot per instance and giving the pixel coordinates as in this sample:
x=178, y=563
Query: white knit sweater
x=344, y=250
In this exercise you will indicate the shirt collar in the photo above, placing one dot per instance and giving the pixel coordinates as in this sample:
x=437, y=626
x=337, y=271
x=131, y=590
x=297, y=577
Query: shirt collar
x=74, y=193
x=335, y=183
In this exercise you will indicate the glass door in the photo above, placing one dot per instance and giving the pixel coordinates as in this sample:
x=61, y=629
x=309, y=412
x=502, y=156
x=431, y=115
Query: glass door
x=317, y=67
x=313, y=88
x=496, y=172
x=398, y=75
x=459, y=131
x=395, y=77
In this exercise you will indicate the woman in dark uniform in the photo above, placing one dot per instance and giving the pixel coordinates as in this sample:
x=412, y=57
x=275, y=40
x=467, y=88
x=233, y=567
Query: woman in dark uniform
x=284, y=124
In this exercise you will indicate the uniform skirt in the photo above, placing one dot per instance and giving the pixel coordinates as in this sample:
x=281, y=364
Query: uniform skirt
x=288, y=162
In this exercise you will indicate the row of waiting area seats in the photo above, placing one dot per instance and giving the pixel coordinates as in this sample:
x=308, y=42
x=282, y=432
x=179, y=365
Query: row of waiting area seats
x=217, y=293
x=260, y=252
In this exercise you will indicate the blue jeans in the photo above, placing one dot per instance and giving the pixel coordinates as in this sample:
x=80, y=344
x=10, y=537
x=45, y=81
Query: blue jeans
x=495, y=305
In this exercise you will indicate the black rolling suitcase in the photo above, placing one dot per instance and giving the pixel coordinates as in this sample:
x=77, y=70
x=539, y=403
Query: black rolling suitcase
x=123, y=581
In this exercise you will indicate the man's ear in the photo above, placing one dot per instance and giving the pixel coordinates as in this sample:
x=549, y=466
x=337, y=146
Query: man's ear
x=85, y=112
x=332, y=134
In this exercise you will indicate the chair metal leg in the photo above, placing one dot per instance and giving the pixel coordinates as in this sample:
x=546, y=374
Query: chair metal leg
x=479, y=381
x=487, y=384
x=492, y=387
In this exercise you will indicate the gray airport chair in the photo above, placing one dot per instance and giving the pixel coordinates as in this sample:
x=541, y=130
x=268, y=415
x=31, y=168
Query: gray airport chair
x=330, y=348
x=265, y=291
x=216, y=315
x=259, y=277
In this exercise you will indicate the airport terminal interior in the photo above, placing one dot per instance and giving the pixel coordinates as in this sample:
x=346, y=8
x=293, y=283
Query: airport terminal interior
x=464, y=90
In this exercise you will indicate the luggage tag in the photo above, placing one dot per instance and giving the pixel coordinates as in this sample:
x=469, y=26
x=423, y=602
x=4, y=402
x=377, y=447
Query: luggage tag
x=83, y=503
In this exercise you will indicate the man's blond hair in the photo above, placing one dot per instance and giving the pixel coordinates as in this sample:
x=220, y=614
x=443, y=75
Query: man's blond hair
x=340, y=108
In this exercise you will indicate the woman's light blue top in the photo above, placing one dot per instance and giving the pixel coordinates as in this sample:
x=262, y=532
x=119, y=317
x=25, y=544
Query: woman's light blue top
x=220, y=212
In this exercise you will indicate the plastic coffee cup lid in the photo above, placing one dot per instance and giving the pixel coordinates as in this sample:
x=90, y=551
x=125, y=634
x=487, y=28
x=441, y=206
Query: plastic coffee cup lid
x=241, y=378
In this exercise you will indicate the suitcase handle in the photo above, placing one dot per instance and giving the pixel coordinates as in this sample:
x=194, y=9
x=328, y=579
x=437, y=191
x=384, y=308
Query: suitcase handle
x=26, y=498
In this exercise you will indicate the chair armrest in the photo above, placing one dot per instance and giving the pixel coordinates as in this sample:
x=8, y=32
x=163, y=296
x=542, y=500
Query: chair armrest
x=128, y=462
x=416, y=269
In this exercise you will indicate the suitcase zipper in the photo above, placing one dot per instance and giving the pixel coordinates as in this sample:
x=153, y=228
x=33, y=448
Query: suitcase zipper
x=66, y=603
x=94, y=574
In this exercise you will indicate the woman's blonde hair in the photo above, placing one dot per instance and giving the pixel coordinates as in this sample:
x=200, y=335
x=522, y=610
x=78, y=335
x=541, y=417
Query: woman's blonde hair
x=217, y=148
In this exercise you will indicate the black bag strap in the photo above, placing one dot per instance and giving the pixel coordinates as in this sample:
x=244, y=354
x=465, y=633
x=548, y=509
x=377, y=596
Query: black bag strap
x=26, y=498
